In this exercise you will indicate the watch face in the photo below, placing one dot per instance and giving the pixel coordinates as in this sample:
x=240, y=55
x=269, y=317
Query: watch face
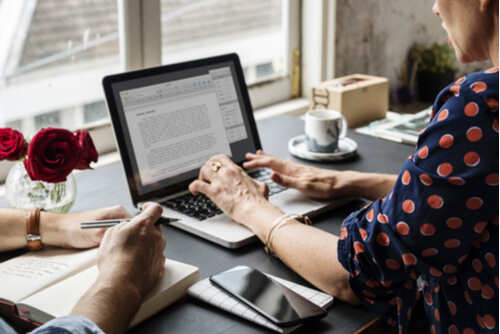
x=33, y=237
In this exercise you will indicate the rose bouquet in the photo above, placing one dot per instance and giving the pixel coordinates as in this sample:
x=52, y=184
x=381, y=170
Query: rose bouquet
x=46, y=161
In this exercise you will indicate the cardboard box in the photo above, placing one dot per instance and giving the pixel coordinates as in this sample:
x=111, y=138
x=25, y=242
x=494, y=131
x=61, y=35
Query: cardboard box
x=360, y=98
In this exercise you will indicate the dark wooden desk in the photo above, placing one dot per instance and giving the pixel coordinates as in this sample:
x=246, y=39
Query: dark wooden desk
x=106, y=186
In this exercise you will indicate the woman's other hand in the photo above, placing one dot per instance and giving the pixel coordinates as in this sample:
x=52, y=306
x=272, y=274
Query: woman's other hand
x=314, y=182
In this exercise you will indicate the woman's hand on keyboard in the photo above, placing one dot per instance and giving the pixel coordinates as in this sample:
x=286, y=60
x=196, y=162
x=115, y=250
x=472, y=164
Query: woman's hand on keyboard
x=322, y=183
x=314, y=182
x=230, y=188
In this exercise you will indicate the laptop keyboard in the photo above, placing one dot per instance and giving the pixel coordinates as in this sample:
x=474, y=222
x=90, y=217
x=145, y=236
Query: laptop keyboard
x=264, y=175
x=201, y=207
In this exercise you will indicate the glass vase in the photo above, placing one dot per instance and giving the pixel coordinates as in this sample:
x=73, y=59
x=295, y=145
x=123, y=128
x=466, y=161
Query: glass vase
x=23, y=193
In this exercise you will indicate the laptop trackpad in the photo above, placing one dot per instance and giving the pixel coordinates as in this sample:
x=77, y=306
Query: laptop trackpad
x=293, y=201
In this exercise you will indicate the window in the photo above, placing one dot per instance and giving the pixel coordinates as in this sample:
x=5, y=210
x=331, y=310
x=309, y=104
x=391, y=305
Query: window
x=50, y=119
x=198, y=29
x=262, y=32
x=57, y=53
x=93, y=112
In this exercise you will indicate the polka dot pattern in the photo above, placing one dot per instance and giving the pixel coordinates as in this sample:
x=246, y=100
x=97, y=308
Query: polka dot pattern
x=408, y=206
x=456, y=181
x=492, y=179
x=471, y=109
x=454, y=223
x=472, y=159
x=426, y=179
x=444, y=169
x=427, y=230
x=409, y=259
x=429, y=252
x=474, y=134
x=479, y=86
x=439, y=223
x=474, y=203
x=443, y=115
x=423, y=153
x=455, y=90
x=406, y=178
x=446, y=141
x=435, y=201
x=403, y=228
x=492, y=104
x=383, y=239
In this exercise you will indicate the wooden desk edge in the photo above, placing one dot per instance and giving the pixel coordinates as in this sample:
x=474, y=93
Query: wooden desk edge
x=376, y=326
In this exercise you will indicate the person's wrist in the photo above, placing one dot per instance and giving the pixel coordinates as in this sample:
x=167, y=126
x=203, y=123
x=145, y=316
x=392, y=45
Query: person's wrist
x=347, y=183
x=259, y=217
x=50, y=229
x=117, y=279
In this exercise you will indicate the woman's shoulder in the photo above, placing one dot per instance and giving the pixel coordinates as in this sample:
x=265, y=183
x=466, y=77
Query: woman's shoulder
x=479, y=87
x=478, y=82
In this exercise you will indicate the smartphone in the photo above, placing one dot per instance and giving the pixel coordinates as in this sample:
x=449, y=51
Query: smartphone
x=268, y=297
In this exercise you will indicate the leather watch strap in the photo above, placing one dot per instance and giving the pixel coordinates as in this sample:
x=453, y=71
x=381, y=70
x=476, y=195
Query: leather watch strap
x=33, y=229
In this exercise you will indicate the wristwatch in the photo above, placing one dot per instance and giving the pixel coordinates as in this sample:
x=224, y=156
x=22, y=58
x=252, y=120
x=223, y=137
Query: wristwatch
x=33, y=229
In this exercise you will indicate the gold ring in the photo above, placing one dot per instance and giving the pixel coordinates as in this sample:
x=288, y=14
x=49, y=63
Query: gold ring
x=216, y=166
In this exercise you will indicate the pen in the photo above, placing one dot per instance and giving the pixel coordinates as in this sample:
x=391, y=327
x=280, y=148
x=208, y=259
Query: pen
x=113, y=222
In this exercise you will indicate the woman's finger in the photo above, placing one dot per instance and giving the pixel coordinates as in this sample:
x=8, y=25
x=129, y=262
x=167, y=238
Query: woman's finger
x=285, y=181
x=196, y=187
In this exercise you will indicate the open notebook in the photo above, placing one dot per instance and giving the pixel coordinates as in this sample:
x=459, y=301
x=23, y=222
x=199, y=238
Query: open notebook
x=169, y=120
x=39, y=286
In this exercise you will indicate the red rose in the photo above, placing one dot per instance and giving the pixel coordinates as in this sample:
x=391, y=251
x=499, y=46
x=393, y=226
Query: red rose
x=52, y=155
x=12, y=145
x=89, y=153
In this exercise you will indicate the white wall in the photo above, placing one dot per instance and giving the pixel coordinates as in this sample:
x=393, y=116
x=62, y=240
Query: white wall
x=374, y=36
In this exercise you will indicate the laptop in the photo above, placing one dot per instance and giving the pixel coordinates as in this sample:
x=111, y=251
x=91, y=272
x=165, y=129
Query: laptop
x=169, y=120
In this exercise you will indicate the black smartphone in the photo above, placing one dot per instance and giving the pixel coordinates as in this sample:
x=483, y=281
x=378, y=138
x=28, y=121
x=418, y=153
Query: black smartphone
x=268, y=297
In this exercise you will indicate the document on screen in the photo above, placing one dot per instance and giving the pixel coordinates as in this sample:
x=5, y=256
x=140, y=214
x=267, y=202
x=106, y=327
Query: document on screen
x=175, y=128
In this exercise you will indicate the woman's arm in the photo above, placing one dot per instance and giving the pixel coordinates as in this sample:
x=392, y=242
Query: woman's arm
x=308, y=251
x=62, y=230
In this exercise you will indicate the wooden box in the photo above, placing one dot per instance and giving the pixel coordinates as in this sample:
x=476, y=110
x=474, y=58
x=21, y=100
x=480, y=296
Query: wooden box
x=360, y=98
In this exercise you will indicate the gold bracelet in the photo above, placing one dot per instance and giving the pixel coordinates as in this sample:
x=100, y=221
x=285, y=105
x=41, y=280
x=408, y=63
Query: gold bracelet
x=274, y=224
x=277, y=225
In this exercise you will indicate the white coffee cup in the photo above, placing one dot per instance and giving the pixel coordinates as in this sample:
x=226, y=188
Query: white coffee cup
x=324, y=128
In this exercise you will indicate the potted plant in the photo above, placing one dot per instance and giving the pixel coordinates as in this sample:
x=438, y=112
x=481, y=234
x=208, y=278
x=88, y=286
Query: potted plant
x=436, y=69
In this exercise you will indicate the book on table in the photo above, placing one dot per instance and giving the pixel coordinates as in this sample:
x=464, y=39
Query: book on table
x=401, y=128
x=39, y=286
x=407, y=129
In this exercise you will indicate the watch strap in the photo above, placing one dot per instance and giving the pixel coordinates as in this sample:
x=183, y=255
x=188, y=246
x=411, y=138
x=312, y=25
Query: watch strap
x=33, y=229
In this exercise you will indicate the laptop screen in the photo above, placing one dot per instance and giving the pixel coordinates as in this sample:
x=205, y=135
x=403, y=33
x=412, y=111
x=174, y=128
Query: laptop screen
x=170, y=120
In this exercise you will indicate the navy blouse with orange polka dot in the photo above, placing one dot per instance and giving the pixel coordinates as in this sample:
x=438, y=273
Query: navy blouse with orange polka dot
x=439, y=223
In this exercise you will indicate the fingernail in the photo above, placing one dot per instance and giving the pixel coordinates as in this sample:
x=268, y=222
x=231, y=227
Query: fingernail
x=275, y=177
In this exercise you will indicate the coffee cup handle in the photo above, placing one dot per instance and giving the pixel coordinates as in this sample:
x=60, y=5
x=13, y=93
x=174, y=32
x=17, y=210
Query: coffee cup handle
x=343, y=132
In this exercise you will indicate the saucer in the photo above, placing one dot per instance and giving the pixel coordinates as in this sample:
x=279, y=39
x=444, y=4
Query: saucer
x=298, y=147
